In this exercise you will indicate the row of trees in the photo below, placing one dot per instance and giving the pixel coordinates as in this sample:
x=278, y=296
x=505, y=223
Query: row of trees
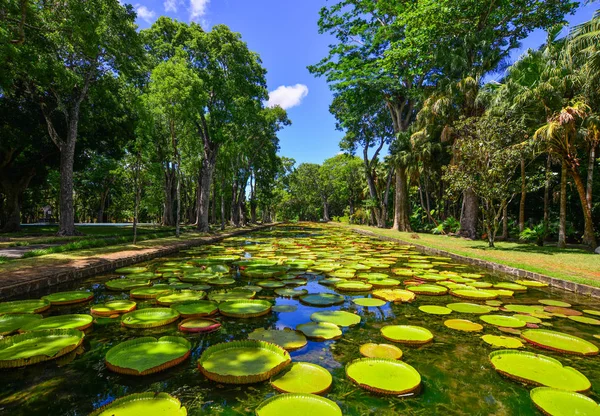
x=111, y=123
x=411, y=76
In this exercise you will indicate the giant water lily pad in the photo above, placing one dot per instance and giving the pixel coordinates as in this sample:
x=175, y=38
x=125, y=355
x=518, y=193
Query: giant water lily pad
x=369, y=302
x=503, y=321
x=286, y=338
x=463, y=325
x=243, y=362
x=556, y=402
x=384, y=376
x=557, y=341
x=249, y=308
x=72, y=321
x=196, y=309
x=12, y=322
x=353, y=286
x=472, y=308
x=291, y=293
x=554, y=302
x=502, y=341
x=147, y=404
x=529, y=309
x=178, y=297
x=474, y=294
x=24, y=306
x=372, y=350
x=147, y=355
x=231, y=295
x=562, y=311
x=37, y=346
x=435, y=310
x=303, y=378
x=340, y=318
x=199, y=325
x=432, y=290
x=149, y=292
x=320, y=331
x=284, y=308
x=394, y=295
x=131, y=270
x=126, y=284
x=113, y=307
x=322, y=299
x=584, y=320
x=515, y=287
x=407, y=334
x=271, y=284
x=539, y=370
x=68, y=298
x=531, y=283
x=149, y=318
x=296, y=404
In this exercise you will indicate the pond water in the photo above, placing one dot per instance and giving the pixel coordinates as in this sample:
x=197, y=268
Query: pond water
x=457, y=377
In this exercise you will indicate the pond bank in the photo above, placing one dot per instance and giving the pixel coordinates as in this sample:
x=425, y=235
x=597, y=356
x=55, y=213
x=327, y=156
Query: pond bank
x=519, y=273
x=37, y=275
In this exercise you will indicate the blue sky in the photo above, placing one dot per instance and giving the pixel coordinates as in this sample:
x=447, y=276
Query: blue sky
x=284, y=33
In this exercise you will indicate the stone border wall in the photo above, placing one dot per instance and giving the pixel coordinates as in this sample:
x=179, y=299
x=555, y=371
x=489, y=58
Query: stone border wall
x=578, y=288
x=28, y=281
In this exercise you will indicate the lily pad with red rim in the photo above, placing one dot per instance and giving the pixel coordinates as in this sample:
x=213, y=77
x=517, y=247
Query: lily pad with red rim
x=372, y=350
x=69, y=298
x=296, y=404
x=113, y=307
x=24, y=306
x=502, y=341
x=394, y=295
x=555, y=402
x=320, y=331
x=286, y=338
x=554, y=302
x=126, y=284
x=196, y=309
x=463, y=325
x=149, y=318
x=247, y=308
x=143, y=404
x=561, y=310
x=584, y=320
x=504, y=321
x=12, y=322
x=322, y=299
x=369, y=302
x=432, y=290
x=474, y=294
x=149, y=292
x=339, y=318
x=558, y=341
x=303, y=377
x=71, y=321
x=384, y=376
x=38, y=346
x=203, y=325
x=472, y=308
x=407, y=334
x=435, y=310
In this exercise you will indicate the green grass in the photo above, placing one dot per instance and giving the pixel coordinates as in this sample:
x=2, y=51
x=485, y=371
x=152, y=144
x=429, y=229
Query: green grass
x=572, y=264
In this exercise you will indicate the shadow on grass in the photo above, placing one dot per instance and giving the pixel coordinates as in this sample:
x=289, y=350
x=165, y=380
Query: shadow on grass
x=532, y=248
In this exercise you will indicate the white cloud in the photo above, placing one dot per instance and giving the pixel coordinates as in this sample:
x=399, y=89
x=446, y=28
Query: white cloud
x=287, y=96
x=145, y=13
x=198, y=9
x=171, y=5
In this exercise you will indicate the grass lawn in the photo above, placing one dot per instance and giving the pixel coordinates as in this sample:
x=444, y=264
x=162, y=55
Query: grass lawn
x=572, y=264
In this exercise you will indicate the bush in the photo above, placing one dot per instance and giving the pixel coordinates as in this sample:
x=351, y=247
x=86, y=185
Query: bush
x=449, y=225
x=536, y=233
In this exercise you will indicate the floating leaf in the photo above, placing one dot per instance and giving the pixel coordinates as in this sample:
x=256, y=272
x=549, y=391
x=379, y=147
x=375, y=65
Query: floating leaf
x=196, y=309
x=407, y=334
x=303, y=377
x=384, y=376
x=502, y=341
x=584, y=320
x=38, y=346
x=369, y=302
x=555, y=402
x=143, y=404
x=553, y=302
x=248, y=308
x=73, y=321
x=472, y=308
x=149, y=318
x=557, y=341
x=294, y=404
x=463, y=325
x=113, y=307
x=504, y=321
x=394, y=295
x=435, y=310
x=147, y=355
x=320, y=331
x=199, y=325
x=12, y=322
x=474, y=294
x=286, y=338
x=24, y=306
x=432, y=290
x=372, y=350
x=322, y=299
x=68, y=298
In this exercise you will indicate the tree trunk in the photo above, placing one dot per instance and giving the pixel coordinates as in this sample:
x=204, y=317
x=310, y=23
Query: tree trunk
x=213, y=205
x=547, y=194
x=137, y=190
x=222, y=210
x=386, y=198
x=209, y=162
x=590, y=176
x=178, y=199
x=468, y=219
x=168, y=204
x=562, y=225
x=351, y=216
x=67, y=158
x=589, y=237
x=523, y=196
x=103, y=196
x=325, y=210
x=401, y=220
x=505, y=222
x=12, y=210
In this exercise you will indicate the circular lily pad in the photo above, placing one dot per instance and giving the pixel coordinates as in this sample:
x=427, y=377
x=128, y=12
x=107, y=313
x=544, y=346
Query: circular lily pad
x=382, y=283
x=143, y=404
x=353, y=286
x=528, y=309
x=291, y=293
x=515, y=287
x=557, y=341
x=463, y=325
x=553, y=302
x=394, y=295
x=74, y=321
x=384, y=376
x=531, y=283
x=131, y=270
x=562, y=311
x=528, y=318
x=243, y=362
x=340, y=318
x=196, y=309
x=199, y=325
x=320, y=331
x=294, y=404
x=474, y=294
x=407, y=334
x=149, y=292
x=221, y=281
x=178, y=297
x=372, y=350
x=149, y=318
x=584, y=320
x=284, y=308
x=126, y=284
x=435, y=310
x=502, y=341
x=369, y=302
x=12, y=322
x=68, y=298
x=303, y=378
x=249, y=308
x=432, y=290
x=504, y=321
x=286, y=338
x=591, y=312
x=322, y=299
x=24, y=306
x=113, y=307
x=37, y=346
x=271, y=284
x=231, y=295
x=472, y=308
x=538, y=370
x=556, y=402
x=147, y=355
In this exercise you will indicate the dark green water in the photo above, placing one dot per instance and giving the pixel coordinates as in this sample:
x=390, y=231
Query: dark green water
x=457, y=377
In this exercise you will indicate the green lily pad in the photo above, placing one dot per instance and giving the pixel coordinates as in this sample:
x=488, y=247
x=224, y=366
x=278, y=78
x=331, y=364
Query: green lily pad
x=196, y=309
x=407, y=334
x=131, y=270
x=74, y=321
x=12, y=322
x=394, y=295
x=503, y=321
x=147, y=355
x=303, y=377
x=528, y=319
x=243, y=362
x=322, y=299
x=369, y=302
x=180, y=286
x=557, y=341
x=502, y=341
x=196, y=325
x=584, y=320
x=495, y=303
x=515, y=287
x=126, y=284
x=353, y=286
x=552, y=302
x=463, y=325
x=474, y=294
x=24, y=306
x=471, y=308
x=271, y=284
x=435, y=310
x=286, y=338
x=320, y=331
x=384, y=376
x=591, y=312
x=144, y=276
x=149, y=318
x=284, y=308
x=221, y=281
x=383, y=283
x=38, y=346
x=339, y=318
x=149, y=404
x=113, y=307
x=291, y=293
x=555, y=402
x=249, y=308
x=294, y=404
x=433, y=290
x=178, y=297
x=68, y=298
x=231, y=295
x=149, y=292
x=528, y=309
x=372, y=350
x=531, y=283
x=539, y=370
